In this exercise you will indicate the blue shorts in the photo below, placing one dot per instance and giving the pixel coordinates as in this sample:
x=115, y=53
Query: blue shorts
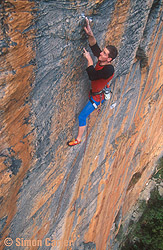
x=87, y=110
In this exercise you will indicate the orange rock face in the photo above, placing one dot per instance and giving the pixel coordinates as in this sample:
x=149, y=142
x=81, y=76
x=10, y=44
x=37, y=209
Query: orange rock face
x=16, y=79
x=75, y=198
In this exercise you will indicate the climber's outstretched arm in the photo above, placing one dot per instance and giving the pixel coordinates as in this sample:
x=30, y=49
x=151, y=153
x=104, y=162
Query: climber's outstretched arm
x=91, y=38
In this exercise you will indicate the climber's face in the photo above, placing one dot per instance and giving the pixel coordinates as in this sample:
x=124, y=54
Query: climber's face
x=104, y=56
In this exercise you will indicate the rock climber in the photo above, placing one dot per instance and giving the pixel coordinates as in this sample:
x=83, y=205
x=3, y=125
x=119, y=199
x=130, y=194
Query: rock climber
x=99, y=75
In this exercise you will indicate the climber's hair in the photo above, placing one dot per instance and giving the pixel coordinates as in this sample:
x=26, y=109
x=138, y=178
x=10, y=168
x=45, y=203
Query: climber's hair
x=113, y=51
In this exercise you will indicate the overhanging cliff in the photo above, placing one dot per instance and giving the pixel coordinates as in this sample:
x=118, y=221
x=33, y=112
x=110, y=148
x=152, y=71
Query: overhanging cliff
x=50, y=192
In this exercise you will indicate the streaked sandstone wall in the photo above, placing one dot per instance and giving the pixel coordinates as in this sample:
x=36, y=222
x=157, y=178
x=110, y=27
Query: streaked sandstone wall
x=17, y=65
x=51, y=192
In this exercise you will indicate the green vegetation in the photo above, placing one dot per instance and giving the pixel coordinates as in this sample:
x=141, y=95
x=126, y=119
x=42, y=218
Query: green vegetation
x=120, y=234
x=147, y=233
x=159, y=170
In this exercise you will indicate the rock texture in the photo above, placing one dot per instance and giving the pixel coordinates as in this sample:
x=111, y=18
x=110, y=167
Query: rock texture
x=75, y=198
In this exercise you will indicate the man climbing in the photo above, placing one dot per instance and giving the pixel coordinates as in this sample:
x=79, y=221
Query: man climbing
x=99, y=75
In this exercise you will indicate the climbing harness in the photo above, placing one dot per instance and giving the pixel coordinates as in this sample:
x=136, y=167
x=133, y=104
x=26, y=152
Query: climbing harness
x=106, y=91
x=95, y=93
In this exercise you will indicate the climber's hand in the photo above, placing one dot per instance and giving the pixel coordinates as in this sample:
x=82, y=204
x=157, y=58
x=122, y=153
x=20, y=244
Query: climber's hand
x=87, y=55
x=88, y=28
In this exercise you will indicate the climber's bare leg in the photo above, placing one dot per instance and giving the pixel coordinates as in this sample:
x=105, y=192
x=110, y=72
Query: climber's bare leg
x=80, y=132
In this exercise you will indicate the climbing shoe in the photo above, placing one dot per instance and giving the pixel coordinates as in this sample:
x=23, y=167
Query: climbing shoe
x=73, y=142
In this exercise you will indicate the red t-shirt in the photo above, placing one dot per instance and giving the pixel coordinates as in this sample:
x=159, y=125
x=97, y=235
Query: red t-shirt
x=98, y=85
x=99, y=75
